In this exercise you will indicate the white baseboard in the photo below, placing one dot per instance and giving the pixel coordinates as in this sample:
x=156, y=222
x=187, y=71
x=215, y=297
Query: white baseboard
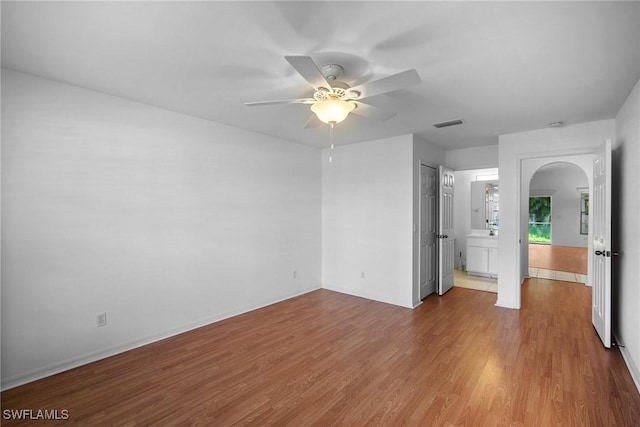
x=74, y=362
x=368, y=295
x=628, y=360
x=501, y=304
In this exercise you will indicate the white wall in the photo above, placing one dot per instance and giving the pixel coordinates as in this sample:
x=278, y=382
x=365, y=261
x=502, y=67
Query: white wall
x=161, y=220
x=514, y=148
x=473, y=158
x=626, y=321
x=462, y=204
x=427, y=153
x=565, y=205
x=367, y=205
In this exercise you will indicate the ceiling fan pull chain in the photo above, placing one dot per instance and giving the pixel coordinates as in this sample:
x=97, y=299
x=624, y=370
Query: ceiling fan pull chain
x=331, y=141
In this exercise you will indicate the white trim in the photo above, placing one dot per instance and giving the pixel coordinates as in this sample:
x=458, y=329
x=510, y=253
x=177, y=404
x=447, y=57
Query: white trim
x=74, y=362
x=503, y=305
x=369, y=296
x=628, y=360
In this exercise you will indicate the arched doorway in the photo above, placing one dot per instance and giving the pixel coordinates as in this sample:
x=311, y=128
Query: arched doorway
x=583, y=167
x=558, y=219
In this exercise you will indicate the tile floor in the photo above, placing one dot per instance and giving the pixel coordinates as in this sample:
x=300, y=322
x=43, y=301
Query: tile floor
x=563, y=276
x=479, y=283
x=463, y=280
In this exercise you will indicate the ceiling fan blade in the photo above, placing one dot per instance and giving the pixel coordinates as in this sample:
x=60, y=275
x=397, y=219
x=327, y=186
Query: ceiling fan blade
x=309, y=70
x=282, y=101
x=313, y=122
x=371, y=112
x=387, y=84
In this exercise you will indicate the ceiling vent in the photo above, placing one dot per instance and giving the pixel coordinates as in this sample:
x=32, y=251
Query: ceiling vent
x=448, y=123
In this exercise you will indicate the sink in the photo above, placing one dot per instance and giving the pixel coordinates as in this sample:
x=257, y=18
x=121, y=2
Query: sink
x=478, y=232
x=482, y=233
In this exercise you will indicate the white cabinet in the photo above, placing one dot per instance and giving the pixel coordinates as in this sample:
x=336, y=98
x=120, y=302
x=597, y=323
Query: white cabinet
x=477, y=259
x=482, y=255
x=493, y=261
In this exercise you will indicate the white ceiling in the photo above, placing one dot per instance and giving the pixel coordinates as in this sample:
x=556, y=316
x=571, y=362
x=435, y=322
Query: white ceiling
x=501, y=66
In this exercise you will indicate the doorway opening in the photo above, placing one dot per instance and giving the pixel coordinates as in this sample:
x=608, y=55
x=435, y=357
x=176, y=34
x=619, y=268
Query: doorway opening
x=558, y=223
x=436, y=235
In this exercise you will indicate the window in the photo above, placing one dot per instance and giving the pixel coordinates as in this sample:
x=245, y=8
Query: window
x=540, y=219
x=584, y=213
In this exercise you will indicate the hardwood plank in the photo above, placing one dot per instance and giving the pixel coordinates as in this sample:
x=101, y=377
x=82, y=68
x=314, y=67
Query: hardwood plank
x=559, y=258
x=326, y=358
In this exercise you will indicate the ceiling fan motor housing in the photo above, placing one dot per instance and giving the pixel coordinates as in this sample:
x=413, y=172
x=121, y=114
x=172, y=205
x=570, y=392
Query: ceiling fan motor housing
x=331, y=72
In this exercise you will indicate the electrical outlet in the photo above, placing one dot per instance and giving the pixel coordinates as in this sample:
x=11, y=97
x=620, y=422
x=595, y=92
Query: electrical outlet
x=362, y=275
x=294, y=274
x=101, y=320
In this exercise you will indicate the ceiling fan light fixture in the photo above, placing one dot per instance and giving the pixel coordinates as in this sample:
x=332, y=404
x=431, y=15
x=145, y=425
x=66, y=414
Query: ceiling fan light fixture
x=353, y=94
x=332, y=110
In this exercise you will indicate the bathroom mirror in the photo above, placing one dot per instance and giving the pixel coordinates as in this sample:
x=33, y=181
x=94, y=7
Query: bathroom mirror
x=484, y=205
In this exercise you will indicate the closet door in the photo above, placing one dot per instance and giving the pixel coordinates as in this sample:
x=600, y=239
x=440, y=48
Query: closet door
x=428, y=191
x=445, y=231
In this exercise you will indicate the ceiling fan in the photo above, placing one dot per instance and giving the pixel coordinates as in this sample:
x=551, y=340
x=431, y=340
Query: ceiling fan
x=333, y=100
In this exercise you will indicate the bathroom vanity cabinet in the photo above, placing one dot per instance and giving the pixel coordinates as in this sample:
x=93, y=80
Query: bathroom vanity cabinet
x=482, y=255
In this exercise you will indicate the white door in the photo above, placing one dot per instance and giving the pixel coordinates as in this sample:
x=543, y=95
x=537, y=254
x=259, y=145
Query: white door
x=601, y=235
x=427, y=231
x=445, y=231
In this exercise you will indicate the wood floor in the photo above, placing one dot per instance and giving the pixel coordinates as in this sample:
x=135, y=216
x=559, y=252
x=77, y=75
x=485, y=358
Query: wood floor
x=330, y=359
x=559, y=258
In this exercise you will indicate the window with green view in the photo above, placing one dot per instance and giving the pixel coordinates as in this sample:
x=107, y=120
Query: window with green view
x=540, y=219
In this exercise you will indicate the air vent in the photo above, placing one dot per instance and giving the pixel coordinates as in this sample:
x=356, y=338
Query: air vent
x=449, y=123
x=555, y=124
